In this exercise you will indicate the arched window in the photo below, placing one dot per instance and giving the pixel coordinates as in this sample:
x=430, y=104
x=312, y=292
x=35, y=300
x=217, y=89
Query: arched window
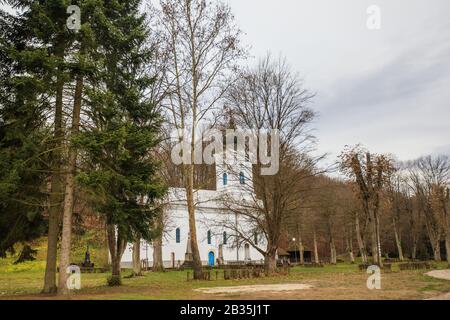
x=209, y=236
x=225, y=179
x=242, y=178
x=256, y=238
x=178, y=235
x=225, y=237
x=247, y=252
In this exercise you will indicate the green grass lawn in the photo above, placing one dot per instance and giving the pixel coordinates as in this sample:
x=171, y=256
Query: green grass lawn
x=342, y=281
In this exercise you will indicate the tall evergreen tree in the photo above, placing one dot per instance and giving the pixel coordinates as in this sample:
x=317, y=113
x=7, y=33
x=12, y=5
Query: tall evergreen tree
x=28, y=68
x=22, y=136
x=102, y=70
x=125, y=131
x=39, y=43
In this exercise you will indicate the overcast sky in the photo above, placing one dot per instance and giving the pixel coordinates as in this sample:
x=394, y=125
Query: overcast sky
x=388, y=89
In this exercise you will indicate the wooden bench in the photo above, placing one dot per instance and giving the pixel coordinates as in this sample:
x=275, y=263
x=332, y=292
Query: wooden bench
x=415, y=266
x=313, y=265
x=386, y=267
x=90, y=269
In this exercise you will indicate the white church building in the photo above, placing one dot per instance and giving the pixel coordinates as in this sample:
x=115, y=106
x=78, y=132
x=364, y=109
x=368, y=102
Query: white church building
x=217, y=243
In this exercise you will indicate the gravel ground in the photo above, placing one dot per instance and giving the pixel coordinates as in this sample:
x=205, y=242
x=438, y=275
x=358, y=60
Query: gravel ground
x=257, y=288
x=440, y=274
x=444, y=275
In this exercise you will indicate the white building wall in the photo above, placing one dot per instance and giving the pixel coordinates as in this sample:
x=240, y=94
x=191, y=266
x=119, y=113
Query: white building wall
x=209, y=214
x=206, y=219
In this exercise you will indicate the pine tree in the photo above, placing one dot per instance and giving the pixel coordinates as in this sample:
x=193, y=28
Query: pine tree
x=27, y=71
x=39, y=41
x=124, y=131
x=21, y=170
x=102, y=69
x=85, y=62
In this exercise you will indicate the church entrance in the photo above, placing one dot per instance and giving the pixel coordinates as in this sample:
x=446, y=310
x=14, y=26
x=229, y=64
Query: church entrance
x=211, y=259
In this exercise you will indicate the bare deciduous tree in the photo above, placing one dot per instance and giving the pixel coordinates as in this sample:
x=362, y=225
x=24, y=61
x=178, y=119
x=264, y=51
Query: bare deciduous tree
x=430, y=177
x=371, y=173
x=203, y=46
x=265, y=98
x=397, y=204
x=352, y=213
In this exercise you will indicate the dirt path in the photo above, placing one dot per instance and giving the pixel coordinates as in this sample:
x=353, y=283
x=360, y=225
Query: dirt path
x=440, y=274
x=441, y=297
x=256, y=288
x=443, y=275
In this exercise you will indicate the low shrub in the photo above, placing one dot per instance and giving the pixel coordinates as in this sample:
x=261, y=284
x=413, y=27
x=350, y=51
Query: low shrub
x=114, y=281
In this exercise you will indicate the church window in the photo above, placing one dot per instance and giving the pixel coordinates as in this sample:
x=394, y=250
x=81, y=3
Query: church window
x=242, y=178
x=225, y=179
x=177, y=235
x=247, y=252
x=225, y=237
x=209, y=236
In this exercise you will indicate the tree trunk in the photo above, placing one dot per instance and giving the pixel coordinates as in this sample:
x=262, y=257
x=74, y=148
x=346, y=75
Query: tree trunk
x=374, y=239
x=117, y=247
x=158, y=265
x=446, y=225
x=333, y=257
x=116, y=269
x=377, y=226
x=437, y=250
x=361, y=245
x=316, y=251
x=137, y=258
x=302, y=252
x=351, y=255
x=414, y=240
x=69, y=192
x=56, y=193
x=373, y=244
x=111, y=235
x=53, y=235
x=115, y=266
x=434, y=240
x=300, y=245
x=398, y=241
x=107, y=252
x=350, y=246
x=270, y=261
x=447, y=248
x=197, y=263
x=414, y=250
x=447, y=233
